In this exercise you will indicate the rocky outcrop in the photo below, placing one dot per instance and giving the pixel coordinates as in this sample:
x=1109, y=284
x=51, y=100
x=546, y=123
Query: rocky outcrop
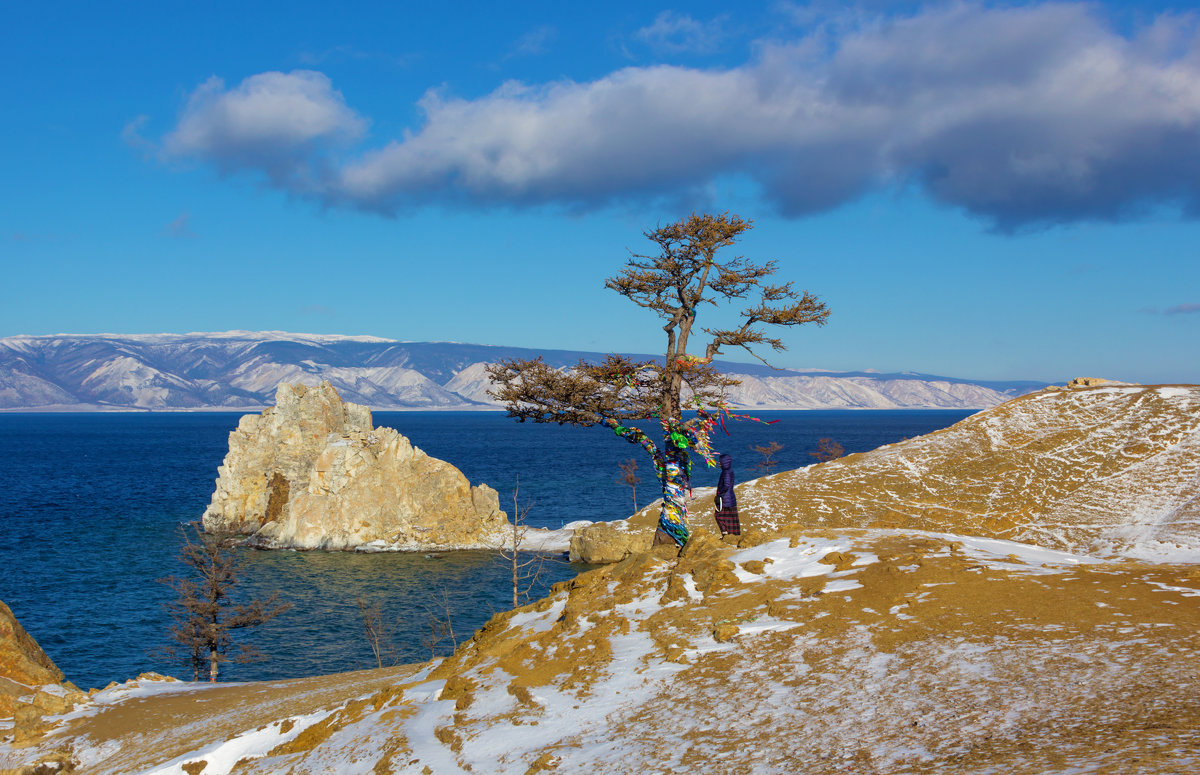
x=1079, y=382
x=1100, y=467
x=23, y=664
x=313, y=473
x=604, y=542
x=31, y=685
x=21, y=658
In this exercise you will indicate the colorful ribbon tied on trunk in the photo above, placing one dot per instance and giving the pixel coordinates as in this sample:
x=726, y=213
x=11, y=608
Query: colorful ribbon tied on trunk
x=672, y=519
x=673, y=465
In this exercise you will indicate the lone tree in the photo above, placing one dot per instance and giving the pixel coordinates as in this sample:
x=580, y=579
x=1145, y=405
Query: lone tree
x=203, y=614
x=675, y=284
x=827, y=449
x=767, y=451
x=526, y=567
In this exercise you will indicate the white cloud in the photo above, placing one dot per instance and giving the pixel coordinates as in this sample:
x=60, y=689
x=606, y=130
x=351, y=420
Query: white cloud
x=275, y=122
x=678, y=33
x=637, y=130
x=131, y=135
x=1020, y=115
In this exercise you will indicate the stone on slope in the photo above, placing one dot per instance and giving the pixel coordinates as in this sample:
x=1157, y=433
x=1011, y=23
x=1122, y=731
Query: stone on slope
x=31, y=686
x=313, y=473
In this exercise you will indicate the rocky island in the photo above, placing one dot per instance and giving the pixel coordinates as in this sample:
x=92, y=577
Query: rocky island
x=313, y=472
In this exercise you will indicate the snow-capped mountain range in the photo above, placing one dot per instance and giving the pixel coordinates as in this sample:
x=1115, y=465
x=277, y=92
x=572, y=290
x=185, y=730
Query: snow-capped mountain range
x=240, y=369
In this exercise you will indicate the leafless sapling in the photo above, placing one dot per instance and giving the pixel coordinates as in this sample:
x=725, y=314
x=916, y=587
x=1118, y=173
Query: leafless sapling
x=440, y=623
x=527, y=567
x=203, y=613
x=629, y=477
x=685, y=275
x=379, y=631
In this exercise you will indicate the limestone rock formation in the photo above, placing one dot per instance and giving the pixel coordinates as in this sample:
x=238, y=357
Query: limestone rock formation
x=1104, y=468
x=313, y=473
x=1079, y=382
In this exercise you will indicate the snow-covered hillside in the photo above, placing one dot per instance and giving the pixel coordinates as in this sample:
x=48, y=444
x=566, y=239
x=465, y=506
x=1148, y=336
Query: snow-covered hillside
x=865, y=651
x=241, y=369
x=1017, y=593
x=1109, y=470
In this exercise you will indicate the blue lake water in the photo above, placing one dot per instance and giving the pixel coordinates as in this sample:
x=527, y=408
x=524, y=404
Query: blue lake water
x=91, y=505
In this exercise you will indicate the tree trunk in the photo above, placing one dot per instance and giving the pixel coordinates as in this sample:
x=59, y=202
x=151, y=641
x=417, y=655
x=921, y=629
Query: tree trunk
x=672, y=519
x=516, y=580
x=212, y=662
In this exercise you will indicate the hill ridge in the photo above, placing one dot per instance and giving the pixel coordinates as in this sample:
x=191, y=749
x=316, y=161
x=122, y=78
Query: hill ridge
x=239, y=370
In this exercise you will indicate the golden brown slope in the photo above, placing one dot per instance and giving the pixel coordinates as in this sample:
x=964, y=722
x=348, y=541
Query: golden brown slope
x=21, y=658
x=862, y=651
x=1108, y=469
x=23, y=664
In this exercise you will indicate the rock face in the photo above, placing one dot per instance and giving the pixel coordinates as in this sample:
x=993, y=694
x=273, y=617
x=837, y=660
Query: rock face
x=23, y=664
x=1103, y=468
x=31, y=689
x=313, y=473
x=21, y=658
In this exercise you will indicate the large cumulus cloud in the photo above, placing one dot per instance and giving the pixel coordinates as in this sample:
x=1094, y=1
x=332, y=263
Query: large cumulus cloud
x=1021, y=115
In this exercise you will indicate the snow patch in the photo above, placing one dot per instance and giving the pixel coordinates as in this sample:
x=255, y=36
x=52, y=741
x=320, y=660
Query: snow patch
x=221, y=757
x=1185, y=591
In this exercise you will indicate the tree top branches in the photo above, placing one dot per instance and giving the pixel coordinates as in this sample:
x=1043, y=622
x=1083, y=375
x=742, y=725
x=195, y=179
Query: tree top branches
x=685, y=274
x=615, y=389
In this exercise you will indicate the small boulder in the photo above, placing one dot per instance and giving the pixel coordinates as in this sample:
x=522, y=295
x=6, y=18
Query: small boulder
x=725, y=632
x=601, y=542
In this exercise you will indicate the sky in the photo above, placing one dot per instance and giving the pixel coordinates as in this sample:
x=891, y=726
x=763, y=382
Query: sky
x=975, y=190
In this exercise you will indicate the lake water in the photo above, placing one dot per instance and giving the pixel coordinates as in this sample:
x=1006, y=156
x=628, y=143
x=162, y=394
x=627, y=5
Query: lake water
x=91, y=505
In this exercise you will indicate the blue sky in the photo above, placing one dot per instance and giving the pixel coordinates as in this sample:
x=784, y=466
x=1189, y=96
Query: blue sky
x=976, y=190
